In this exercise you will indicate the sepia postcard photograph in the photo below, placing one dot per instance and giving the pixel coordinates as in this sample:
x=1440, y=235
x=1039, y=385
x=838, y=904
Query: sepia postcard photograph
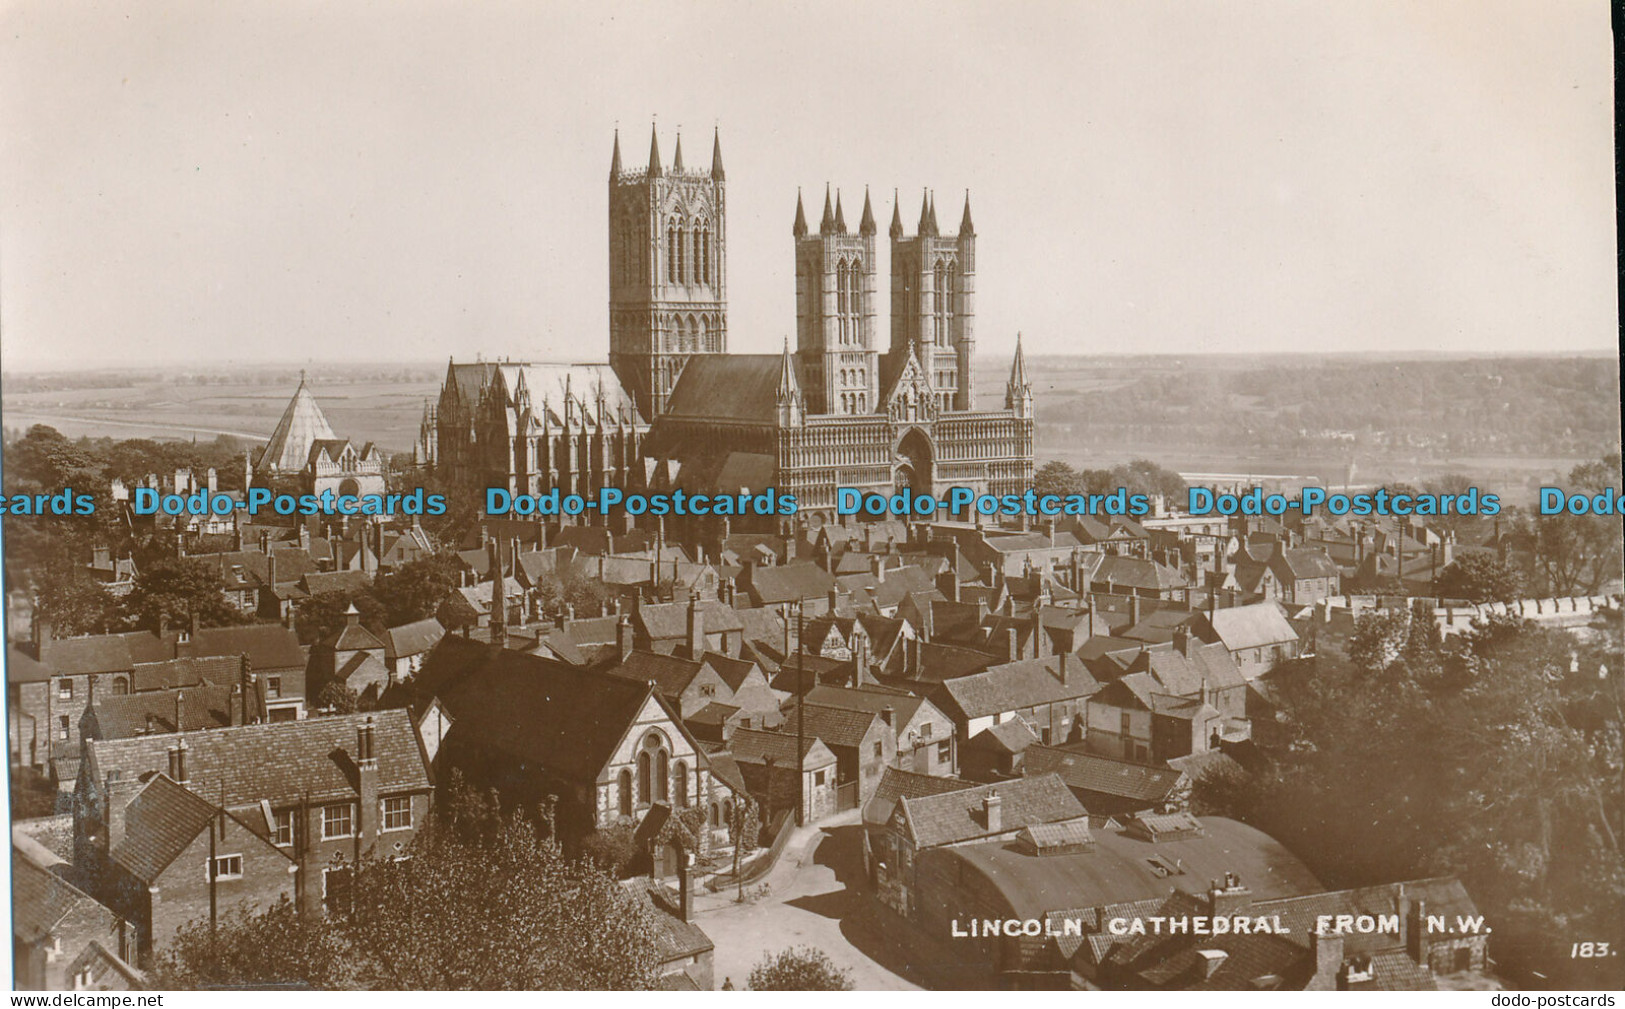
x=1077, y=495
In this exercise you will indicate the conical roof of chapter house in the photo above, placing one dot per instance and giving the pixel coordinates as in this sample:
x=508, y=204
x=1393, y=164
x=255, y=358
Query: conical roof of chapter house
x=302, y=425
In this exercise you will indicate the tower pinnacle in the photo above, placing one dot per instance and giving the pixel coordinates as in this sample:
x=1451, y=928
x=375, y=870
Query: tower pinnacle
x=866, y=226
x=655, y=171
x=800, y=228
x=716, y=156
x=826, y=226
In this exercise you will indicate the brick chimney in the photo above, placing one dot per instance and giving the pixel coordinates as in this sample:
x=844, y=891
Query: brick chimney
x=1227, y=897
x=1041, y=642
x=42, y=639
x=1133, y=608
x=1182, y=640
x=1415, y=924
x=236, y=704
x=696, y=631
x=180, y=712
x=888, y=714
x=366, y=785
x=623, y=637
x=685, y=898
x=1327, y=952
x=993, y=812
x=120, y=791
x=1012, y=644
x=860, y=656
x=177, y=763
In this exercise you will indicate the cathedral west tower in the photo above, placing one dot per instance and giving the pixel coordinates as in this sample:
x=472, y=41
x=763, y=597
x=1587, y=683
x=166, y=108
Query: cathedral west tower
x=835, y=311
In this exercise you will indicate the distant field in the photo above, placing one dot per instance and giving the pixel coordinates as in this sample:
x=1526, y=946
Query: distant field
x=1511, y=424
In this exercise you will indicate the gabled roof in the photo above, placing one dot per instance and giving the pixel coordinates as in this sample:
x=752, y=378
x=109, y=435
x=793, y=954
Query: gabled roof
x=664, y=621
x=789, y=583
x=412, y=639
x=217, y=670
x=278, y=762
x=22, y=668
x=126, y=715
x=1024, y=683
x=1252, y=626
x=835, y=726
x=268, y=646
x=1011, y=736
x=160, y=822
x=733, y=671
x=1132, y=572
x=1307, y=563
x=670, y=674
x=40, y=899
x=957, y=816
x=1091, y=773
x=755, y=746
x=873, y=700
x=549, y=714
x=895, y=784
x=674, y=938
x=734, y=387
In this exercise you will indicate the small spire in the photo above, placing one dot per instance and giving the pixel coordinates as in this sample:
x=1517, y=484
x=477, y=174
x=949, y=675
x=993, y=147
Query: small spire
x=896, y=230
x=866, y=226
x=1018, y=368
x=827, y=225
x=677, y=158
x=925, y=213
x=655, y=171
x=789, y=387
x=800, y=229
x=965, y=225
x=615, y=158
x=934, y=231
x=840, y=216
x=716, y=156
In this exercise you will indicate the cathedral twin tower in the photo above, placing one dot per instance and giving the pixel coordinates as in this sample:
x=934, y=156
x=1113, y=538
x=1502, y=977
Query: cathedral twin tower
x=668, y=291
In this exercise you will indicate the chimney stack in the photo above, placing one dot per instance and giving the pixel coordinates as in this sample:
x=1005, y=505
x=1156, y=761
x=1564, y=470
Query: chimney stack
x=177, y=763
x=888, y=714
x=696, y=631
x=623, y=637
x=180, y=711
x=366, y=786
x=992, y=812
x=236, y=704
x=119, y=793
x=1133, y=608
x=685, y=897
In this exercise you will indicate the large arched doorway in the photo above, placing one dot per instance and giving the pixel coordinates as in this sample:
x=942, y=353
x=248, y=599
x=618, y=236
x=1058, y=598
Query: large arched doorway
x=914, y=462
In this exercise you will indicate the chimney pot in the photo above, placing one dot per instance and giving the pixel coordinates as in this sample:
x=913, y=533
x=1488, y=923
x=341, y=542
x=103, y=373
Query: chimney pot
x=992, y=812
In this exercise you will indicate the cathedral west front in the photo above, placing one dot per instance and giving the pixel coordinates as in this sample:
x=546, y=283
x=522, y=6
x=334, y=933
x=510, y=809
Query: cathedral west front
x=673, y=408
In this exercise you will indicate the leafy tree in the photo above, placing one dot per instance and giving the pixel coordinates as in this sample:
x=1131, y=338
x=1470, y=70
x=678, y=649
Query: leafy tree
x=339, y=699
x=495, y=908
x=1578, y=554
x=1479, y=578
x=76, y=603
x=800, y=968
x=322, y=615
x=744, y=829
x=1056, y=477
x=172, y=590
x=416, y=589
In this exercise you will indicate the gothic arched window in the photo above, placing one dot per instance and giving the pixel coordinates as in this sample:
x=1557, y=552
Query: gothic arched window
x=710, y=278
x=680, y=772
x=699, y=254
x=625, y=783
x=671, y=253
x=854, y=305
x=662, y=776
x=840, y=300
x=645, y=783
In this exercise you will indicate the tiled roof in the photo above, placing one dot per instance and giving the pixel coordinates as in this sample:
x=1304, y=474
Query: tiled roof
x=1013, y=735
x=789, y=582
x=1091, y=773
x=1306, y=562
x=755, y=746
x=412, y=639
x=353, y=638
x=279, y=762
x=871, y=699
x=896, y=784
x=674, y=938
x=733, y=671
x=159, y=823
x=953, y=817
x=1024, y=683
x=126, y=715
x=842, y=727
x=40, y=899
x=1132, y=572
x=318, y=582
x=268, y=646
x=218, y=670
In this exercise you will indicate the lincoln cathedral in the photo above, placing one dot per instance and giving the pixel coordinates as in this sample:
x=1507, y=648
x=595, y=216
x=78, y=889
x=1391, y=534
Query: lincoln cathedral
x=673, y=408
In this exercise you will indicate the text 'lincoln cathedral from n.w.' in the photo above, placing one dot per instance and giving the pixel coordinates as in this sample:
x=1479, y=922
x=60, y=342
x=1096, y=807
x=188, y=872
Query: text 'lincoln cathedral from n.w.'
x=674, y=409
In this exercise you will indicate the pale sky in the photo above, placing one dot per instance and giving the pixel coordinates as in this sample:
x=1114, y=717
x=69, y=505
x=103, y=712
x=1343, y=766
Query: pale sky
x=402, y=180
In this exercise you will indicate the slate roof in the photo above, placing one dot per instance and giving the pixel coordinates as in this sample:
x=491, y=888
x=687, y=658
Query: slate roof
x=302, y=424
x=268, y=646
x=789, y=583
x=1090, y=773
x=1132, y=572
x=733, y=671
x=674, y=938
x=736, y=387
x=159, y=823
x=352, y=637
x=868, y=699
x=40, y=899
x=1306, y=562
x=126, y=715
x=953, y=817
x=318, y=582
x=278, y=762
x=662, y=621
x=413, y=638
x=670, y=674
x=550, y=714
x=1024, y=683
x=1253, y=626
x=943, y=661
x=1120, y=868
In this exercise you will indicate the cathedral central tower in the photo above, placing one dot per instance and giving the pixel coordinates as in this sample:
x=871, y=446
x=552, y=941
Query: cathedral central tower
x=667, y=270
